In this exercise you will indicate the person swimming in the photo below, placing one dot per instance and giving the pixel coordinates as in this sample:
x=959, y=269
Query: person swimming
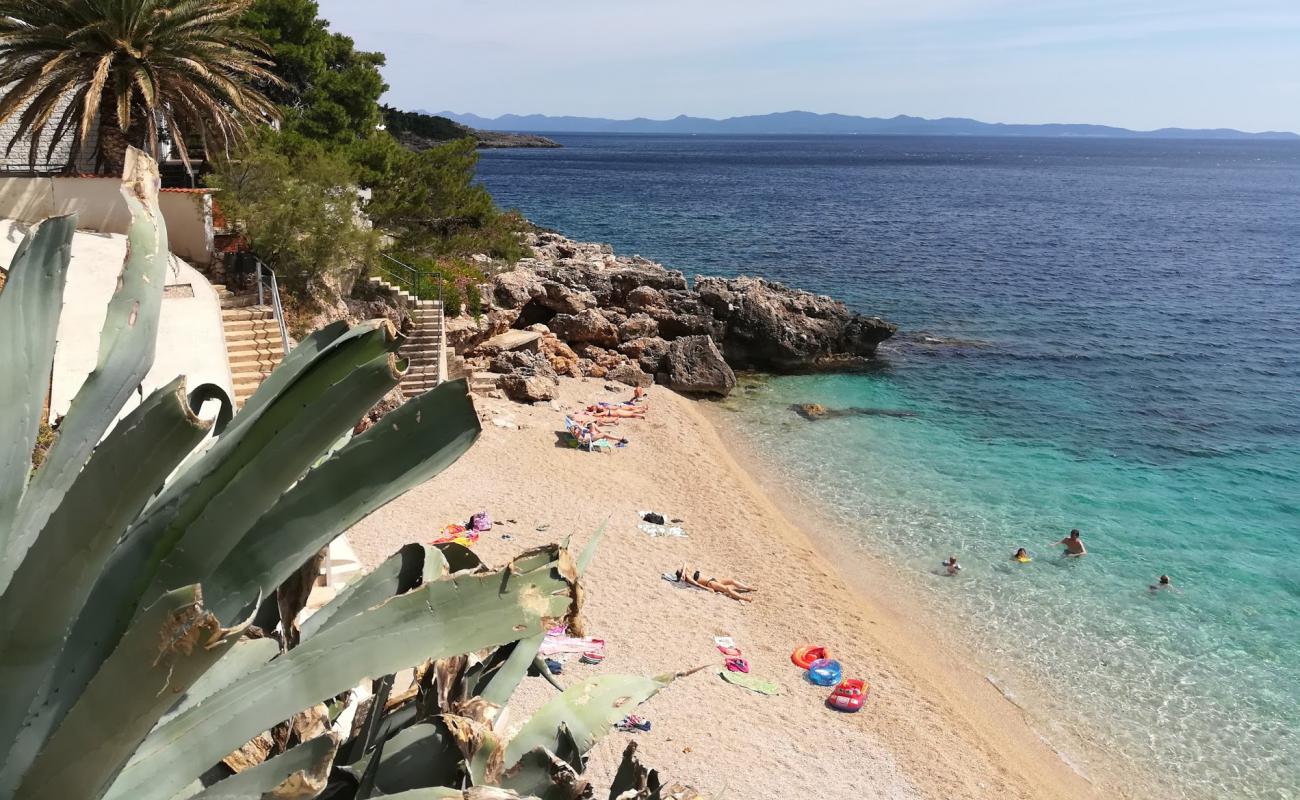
x=952, y=566
x=1163, y=583
x=1022, y=555
x=1073, y=544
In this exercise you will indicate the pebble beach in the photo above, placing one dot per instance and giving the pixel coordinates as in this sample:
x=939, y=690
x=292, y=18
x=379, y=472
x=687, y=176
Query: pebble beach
x=932, y=726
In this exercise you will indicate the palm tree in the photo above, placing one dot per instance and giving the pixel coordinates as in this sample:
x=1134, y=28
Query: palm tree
x=132, y=71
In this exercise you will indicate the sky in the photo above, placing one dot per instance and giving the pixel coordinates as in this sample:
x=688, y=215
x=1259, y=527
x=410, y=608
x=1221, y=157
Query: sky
x=1133, y=63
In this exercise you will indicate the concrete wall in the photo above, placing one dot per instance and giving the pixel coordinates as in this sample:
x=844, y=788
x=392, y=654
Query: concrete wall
x=191, y=341
x=100, y=207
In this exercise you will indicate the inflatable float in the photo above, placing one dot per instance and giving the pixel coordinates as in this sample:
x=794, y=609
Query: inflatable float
x=803, y=657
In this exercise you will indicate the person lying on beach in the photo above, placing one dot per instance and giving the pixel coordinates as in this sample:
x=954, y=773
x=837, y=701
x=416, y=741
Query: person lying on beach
x=1022, y=556
x=589, y=432
x=952, y=566
x=615, y=412
x=1073, y=544
x=723, y=586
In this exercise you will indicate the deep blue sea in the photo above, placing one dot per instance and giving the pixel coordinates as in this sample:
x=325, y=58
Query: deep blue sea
x=1101, y=334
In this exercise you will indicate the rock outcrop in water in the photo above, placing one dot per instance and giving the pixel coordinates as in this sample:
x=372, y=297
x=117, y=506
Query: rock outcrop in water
x=633, y=320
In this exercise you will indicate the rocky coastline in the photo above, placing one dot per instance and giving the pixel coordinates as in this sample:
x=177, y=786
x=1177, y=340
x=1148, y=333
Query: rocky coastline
x=634, y=321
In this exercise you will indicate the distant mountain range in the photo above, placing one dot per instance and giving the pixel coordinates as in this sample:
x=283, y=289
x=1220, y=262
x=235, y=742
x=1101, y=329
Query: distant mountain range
x=804, y=122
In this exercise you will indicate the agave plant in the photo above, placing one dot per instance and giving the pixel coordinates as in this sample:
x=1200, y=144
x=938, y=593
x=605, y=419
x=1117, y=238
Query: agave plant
x=135, y=559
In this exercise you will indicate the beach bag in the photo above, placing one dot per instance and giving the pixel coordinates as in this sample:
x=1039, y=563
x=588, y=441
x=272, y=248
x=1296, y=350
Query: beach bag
x=480, y=522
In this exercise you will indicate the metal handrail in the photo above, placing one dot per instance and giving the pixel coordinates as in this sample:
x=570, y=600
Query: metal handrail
x=276, y=308
x=411, y=277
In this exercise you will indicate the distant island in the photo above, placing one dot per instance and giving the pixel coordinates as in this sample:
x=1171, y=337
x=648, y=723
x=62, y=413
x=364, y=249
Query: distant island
x=420, y=131
x=804, y=122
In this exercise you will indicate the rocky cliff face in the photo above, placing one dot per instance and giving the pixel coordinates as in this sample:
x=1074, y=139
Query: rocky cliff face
x=631, y=319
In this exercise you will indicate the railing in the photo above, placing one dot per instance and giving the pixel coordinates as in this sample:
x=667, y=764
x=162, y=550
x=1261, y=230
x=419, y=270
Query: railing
x=266, y=282
x=419, y=283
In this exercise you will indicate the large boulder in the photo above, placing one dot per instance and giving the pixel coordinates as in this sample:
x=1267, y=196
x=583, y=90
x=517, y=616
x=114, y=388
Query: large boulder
x=643, y=297
x=638, y=326
x=696, y=366
x=630, y=374
x=772, y=327
x=648, y=353
x=528, y=388
x=564, y=299
x=590, y=326
x=528, y=376
x=514, y=289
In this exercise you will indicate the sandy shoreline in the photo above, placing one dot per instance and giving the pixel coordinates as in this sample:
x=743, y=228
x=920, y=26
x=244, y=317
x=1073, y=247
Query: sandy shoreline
x=933, y=726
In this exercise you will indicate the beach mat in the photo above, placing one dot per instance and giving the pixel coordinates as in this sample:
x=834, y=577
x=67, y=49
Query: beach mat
x=750, y=682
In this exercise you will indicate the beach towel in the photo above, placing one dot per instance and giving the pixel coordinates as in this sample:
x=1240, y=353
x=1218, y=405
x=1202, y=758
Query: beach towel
x=657, y=531
x=570, y=644
x=457, y=534
x=750, y=682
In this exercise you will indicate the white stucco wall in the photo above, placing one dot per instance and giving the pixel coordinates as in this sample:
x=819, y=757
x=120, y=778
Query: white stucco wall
x=99, y=207
x=191, y=341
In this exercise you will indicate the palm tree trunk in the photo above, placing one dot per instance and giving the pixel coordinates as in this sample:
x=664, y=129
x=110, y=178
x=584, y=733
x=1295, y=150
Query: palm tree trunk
x=110, y=149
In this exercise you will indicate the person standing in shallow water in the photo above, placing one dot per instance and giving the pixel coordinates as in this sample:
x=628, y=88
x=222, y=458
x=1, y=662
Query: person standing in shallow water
x=1073, y=544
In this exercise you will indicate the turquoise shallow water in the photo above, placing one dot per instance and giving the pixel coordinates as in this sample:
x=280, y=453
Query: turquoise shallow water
x=1096, y=334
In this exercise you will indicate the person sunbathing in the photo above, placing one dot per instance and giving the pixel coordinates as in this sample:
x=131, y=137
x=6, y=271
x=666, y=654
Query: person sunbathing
x=590, y=432
x=724, y=586
x=616, y=412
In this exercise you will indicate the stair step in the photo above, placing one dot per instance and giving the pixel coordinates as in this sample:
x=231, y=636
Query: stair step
x=232, y=302
x=254, y=338
x=250, y=313
x=269, y=345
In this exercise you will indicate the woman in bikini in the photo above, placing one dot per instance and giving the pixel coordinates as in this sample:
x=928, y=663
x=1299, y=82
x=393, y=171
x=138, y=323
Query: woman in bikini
x=723, y=586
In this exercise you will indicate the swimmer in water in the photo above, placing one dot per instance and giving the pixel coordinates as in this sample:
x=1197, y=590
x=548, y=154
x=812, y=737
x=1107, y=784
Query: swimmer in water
x=952, y=566
x=1022, y=556
x=1163, y=583
x=1073, y=544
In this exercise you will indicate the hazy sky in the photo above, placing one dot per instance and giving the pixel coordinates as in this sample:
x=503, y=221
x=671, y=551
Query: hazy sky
x=1134, y=63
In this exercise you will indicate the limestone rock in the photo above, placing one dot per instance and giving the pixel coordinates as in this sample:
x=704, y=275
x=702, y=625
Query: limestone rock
x=529, y=388
x=630, y=374
x=696, y=366
x=649, y=353
x=589, y=326
x=643, y=297
x=564, y=299
x=638, y=326
x=515, y=289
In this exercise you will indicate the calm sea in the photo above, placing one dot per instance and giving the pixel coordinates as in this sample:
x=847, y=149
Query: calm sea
x=1101, y=334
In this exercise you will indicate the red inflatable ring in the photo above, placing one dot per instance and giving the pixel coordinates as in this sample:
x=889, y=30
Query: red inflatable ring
x=804, y=656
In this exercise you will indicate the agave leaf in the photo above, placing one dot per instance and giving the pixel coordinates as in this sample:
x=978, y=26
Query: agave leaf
x=300, y=433
x=587, y=709
x=589, y=552
x=30, y=306
x=246, y=656
x=410, y=567
x=411, y=760
x=543, y=774
x=506, y=668
x=634, y=777
x=456, y=614
x=291, y=367
x=123, y=586
x=406, y=448
x=288, y=771
x=121, y=476
x=126, y=350
x=173, y=642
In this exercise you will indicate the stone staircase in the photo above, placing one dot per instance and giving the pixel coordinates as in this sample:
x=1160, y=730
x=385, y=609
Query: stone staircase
x=253, y=344
x=423, y=346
